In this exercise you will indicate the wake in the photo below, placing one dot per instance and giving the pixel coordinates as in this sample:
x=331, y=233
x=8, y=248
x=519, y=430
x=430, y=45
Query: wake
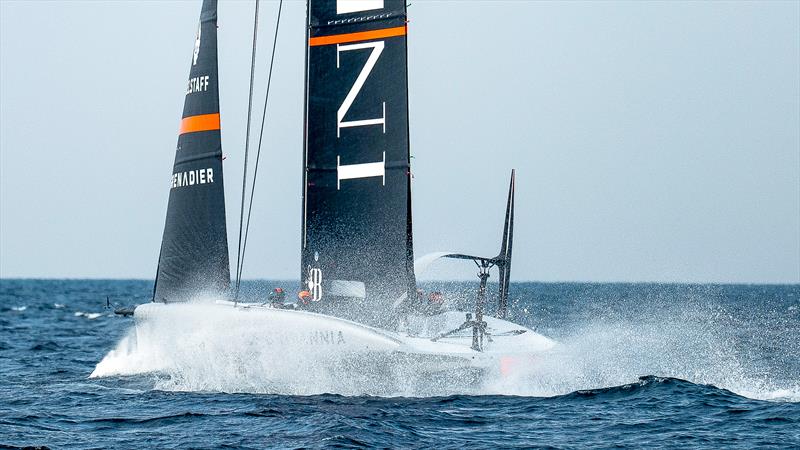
x=604, y=355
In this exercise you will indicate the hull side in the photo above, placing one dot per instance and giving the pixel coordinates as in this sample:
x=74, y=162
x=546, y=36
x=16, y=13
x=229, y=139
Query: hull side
x=292, y=351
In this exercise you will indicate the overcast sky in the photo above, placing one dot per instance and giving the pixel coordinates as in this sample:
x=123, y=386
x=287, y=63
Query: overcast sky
x=653, y=141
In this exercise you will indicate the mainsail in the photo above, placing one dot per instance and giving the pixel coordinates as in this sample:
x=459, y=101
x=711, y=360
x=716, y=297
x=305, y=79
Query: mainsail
x=356, y=238
x=194, y=249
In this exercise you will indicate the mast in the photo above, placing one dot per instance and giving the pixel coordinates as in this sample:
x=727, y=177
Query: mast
x=357, y=242
x=194, y=249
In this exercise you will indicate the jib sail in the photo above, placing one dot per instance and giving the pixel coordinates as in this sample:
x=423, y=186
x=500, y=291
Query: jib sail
x=356, y=238
x=194, y=250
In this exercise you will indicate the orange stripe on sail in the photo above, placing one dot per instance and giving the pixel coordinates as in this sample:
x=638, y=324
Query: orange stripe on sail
x=202, y=122
x=354, y=37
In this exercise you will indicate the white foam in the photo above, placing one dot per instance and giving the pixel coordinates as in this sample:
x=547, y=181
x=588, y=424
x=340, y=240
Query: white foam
x=124, y=359
x=606, y=354
x=90, y=316
x=19, y=308
x=227, y=357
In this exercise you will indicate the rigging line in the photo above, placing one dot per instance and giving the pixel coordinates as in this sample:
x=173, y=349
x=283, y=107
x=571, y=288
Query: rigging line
x=246, y=151
x=261, y=133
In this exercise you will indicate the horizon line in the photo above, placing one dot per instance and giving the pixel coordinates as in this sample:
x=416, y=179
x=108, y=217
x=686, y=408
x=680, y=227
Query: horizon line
x=671, y=282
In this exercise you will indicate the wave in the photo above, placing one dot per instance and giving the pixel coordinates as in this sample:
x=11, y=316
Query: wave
x=169, y=419
x=49, y=346
x=655, y=386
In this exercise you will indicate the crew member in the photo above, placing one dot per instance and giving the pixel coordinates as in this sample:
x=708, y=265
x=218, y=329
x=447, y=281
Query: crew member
x=435, y=302
x=303, y=297
x=277, y=297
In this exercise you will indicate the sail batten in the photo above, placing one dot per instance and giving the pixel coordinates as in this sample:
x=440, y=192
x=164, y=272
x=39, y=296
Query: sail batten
x=357, y=208
x=193, y=260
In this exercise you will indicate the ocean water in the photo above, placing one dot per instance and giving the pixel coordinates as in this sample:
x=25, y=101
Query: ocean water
x=638, y=365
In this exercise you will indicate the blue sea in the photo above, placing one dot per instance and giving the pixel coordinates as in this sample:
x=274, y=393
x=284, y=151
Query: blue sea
x=638, y=366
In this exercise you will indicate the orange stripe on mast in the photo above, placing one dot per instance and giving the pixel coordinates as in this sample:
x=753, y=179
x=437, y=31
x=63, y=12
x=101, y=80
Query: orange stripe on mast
x=354, y=37
x=202, y=122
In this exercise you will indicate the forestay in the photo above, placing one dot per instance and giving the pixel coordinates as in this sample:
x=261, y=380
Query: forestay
x=194, y=249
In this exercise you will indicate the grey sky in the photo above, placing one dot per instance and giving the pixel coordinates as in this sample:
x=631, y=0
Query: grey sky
x=653, y=141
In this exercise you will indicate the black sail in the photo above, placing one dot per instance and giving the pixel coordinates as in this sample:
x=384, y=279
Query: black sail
x=356, y=240
x=194, y=250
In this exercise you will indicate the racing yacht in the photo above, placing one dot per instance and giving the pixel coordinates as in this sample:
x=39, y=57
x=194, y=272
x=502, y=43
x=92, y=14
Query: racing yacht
x=364, y=310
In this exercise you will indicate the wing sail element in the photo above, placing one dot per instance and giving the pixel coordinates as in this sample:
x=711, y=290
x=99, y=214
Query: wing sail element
x=502, y=260
x=504, y=263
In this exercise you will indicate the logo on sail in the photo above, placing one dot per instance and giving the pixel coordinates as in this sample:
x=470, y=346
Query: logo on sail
x=197, y=44
x=350, y=6
x=192, y=177
x=314, y=283
x=197, y=84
